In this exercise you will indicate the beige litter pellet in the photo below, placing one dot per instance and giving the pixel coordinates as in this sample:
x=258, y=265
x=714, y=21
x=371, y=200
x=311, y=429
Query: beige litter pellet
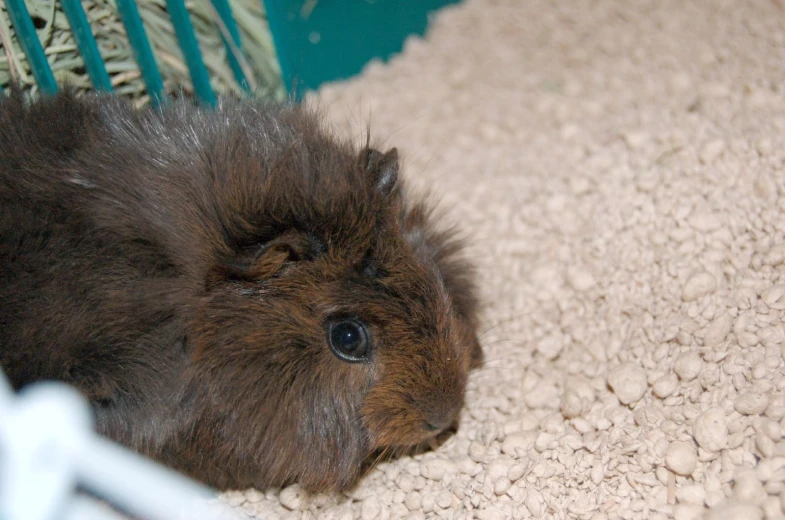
x=413, y=501
x=751, y=403
x=580, y=279
x=687, y=512
x=699, y=284
x=747, y=487
x=516, y=472
x=772, y=429
x=435, y=469
x=665, y=385
x=477, y=452
x=534, y=502
x=718, y=330
x=371, y=509
x=692, y=494
x=711, y=430
x=681, y=458
x=628, y=382
x=550, y=346
x=688, y=366
x=712, y=150
x=501, y=486
x=774, y=297
x=735, y=510
x=294, y=498
x=618, y=171
x=516, y=445
x=571, y=404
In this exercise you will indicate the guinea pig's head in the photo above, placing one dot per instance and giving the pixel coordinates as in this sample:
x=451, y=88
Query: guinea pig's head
x=339, y=323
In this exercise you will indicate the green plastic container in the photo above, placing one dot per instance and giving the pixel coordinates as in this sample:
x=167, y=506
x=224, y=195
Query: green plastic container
x=326, y=40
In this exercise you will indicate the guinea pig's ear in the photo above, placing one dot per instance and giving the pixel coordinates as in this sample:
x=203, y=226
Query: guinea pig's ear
x=264, y=261
x=383, y=168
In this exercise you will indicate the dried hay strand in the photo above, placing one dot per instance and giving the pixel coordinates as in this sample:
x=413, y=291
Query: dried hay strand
x=259, y=61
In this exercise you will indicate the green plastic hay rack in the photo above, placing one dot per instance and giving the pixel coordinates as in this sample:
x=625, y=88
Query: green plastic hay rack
x=315, y=40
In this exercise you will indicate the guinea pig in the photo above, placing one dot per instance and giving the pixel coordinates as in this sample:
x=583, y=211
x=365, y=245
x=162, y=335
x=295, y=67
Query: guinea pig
x=240, y=294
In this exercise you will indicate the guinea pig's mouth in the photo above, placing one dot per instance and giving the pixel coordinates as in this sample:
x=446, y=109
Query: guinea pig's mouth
x=440, y=436
x=423, y=444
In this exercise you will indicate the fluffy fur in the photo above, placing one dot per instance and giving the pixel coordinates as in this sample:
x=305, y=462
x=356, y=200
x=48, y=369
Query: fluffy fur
x=180, y=269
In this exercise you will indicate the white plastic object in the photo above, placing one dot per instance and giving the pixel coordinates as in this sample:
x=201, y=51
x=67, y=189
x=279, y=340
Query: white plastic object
x=40, y=434
x=48, y=447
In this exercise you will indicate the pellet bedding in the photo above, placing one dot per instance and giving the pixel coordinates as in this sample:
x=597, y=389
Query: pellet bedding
x=619, y=170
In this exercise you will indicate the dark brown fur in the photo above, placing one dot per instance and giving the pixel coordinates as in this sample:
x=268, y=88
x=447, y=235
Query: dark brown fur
x=180, y=269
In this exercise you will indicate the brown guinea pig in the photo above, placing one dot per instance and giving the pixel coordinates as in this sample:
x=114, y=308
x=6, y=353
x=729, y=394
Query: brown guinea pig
x=240, y=295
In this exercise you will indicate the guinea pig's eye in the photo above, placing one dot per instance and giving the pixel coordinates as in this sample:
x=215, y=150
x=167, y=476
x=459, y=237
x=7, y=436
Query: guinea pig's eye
x=349, y=340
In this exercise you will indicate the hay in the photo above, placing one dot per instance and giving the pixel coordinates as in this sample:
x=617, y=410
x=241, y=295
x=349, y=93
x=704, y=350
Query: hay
x=54, y=31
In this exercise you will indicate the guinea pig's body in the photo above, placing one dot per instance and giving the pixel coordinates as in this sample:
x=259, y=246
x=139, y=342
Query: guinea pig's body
x=239, y=294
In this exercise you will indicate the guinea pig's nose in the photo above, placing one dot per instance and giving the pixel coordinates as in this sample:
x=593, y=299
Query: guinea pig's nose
x=433, y=427
x=438, y=422
x=440, y=411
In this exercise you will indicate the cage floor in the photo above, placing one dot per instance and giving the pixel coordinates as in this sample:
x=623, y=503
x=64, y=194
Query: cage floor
x=619, y=169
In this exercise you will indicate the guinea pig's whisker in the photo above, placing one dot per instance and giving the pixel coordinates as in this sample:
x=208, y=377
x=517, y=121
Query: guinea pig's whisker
x=494, y=371
x=399, y=451
x=504, y=321
x=514, y=351
x=409, y=122
x=381, y=456
x=501, y=341
x=432, y=154
x=505, y=367
x=501, y=361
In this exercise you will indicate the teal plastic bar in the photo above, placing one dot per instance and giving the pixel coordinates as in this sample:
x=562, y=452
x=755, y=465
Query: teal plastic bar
x=184, y=30
x=278, y=16
x=142, y=51
x=225, y=12
x=83, y=35
x=23, y=24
